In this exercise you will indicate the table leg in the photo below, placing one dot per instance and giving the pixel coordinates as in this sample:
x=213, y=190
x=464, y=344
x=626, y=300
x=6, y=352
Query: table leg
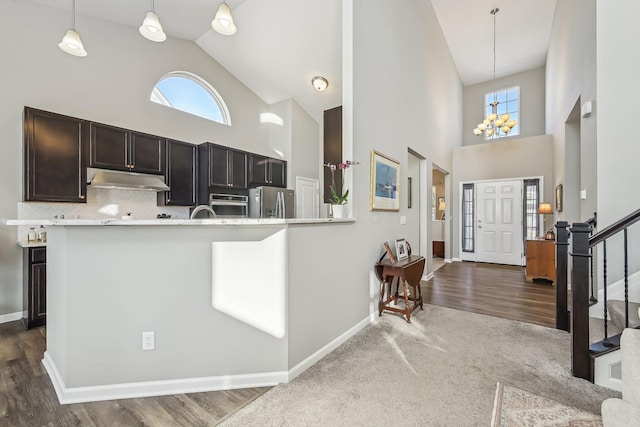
x=381, y=301
x=407, y=309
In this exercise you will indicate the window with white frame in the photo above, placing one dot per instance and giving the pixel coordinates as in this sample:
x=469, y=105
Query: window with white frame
x=508, y=103
x=191, y=94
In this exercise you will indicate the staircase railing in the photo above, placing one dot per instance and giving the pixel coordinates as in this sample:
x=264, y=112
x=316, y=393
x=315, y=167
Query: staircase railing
x=582, y=254
x=562, y=268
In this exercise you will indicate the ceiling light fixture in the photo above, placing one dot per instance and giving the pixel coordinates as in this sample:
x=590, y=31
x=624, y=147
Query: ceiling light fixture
x=223, y=21
x=71, y=42
x=319, y=83
x=151, y=28
x=495, y=126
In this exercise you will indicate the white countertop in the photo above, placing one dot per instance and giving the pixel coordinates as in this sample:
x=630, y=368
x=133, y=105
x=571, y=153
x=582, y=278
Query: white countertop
x=25, y=244
x=167, y=222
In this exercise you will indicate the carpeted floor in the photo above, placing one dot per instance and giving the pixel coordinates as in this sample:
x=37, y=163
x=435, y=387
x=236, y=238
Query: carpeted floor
x=440, y=370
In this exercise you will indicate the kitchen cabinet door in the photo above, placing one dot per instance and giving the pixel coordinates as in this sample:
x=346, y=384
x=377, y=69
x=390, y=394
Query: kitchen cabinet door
x=181, y=174
x=238, y=166
x=258, y=168
x=109, y=148
x=227, y=167
x=55, y=149
x=267, y=171
x=115, y=148
x=277, y=173
x=35, y=287
x=218, y=166
x=146, y=153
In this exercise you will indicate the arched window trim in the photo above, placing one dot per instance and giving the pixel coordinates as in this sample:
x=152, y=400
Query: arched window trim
x=155, y=93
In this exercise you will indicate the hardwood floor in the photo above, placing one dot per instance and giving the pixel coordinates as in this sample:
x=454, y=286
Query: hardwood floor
x=492, y=289
x=27, y=397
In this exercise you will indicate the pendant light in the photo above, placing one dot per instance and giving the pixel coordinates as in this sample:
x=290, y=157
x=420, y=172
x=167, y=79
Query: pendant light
x=71, y=42
x=223, y=21
x=495, y=125
x=151, y=28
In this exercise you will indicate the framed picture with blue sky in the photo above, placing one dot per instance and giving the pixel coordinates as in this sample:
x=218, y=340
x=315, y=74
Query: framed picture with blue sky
x=385, y=180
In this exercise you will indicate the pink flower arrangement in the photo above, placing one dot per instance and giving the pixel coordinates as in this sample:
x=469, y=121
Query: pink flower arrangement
x=337, y=199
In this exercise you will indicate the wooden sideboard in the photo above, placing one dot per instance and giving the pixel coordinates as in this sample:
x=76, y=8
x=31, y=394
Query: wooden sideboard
x=541, y=260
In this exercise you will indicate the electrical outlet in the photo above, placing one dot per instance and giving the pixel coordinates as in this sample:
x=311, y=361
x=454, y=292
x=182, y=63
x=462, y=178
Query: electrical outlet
x=148, y=341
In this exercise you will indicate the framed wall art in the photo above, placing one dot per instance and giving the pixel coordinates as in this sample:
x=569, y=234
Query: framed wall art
x=385, y=180
x=559, y=198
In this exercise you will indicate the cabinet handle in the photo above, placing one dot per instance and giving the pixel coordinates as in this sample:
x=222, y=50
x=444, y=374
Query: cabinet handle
x=83, y=197
x=168, y=200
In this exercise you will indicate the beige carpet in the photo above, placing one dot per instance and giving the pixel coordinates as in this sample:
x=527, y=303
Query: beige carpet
x=440, y=370
x=518, y=408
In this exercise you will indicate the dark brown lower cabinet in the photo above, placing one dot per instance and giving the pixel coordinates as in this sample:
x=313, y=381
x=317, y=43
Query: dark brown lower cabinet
x=35, y=287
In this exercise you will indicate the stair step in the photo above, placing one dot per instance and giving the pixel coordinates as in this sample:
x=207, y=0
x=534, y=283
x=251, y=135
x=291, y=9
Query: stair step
x=601, y=347
x=616, y=313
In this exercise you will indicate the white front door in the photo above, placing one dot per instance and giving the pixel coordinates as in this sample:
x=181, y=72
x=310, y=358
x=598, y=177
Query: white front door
x=307, y=197
x=499, y=222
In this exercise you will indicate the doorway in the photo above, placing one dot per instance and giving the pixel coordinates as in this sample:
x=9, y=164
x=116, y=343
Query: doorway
x=499, y=222
x=438, y=217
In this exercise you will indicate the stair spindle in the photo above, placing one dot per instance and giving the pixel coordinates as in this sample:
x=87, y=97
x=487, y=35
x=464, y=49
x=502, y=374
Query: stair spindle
x=605, y=341
x=626, y=282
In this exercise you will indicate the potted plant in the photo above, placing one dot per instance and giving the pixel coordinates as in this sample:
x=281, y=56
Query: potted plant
x=338, y=200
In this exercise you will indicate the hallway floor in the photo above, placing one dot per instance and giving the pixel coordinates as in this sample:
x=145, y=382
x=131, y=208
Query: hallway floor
x=492, y=289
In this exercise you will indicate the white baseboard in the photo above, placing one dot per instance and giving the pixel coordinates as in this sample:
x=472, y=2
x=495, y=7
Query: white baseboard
x=427, y=277
x=10, y=317
x=156, y=388
x=309, y=361
x=67, y=395
x=453, y=260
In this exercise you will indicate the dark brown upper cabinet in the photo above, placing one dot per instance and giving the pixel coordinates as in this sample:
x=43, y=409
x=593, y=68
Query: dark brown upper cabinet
x=223, y=166
x=267, y=171
x=181, y=174
x=121, y=149
x=55, y=168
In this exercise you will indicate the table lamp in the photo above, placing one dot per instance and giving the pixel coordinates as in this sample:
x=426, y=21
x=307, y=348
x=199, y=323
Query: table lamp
x=441, y=207
x=545, y=209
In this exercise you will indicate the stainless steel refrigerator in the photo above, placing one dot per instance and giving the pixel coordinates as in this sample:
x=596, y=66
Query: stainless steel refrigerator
x=272, y=202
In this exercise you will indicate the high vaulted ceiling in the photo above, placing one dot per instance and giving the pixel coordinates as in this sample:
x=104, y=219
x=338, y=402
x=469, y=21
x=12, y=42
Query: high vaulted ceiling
x=281, y=44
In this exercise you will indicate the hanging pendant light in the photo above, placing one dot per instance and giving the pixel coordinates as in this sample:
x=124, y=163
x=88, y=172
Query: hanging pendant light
x=223, y=21
x=71, y=42
x=495, y=126
x=151, y=28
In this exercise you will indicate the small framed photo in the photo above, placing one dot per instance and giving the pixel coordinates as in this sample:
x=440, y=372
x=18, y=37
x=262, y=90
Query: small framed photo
x=559, y=198
x=385, y=180
x=402, y=251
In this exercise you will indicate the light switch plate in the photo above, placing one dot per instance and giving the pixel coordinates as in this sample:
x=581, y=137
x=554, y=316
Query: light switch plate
x=583, y=194
x=403, y=219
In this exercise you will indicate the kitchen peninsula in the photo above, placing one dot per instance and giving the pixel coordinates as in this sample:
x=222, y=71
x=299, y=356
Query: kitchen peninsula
x=231, y=302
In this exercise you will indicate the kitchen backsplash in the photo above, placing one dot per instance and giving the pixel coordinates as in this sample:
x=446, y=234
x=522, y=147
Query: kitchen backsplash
x=101, y=203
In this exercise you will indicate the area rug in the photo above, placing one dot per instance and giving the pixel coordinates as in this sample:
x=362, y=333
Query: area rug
x=515, y=408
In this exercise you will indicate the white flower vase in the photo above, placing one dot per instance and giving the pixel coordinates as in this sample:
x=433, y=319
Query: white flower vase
x=338, y=211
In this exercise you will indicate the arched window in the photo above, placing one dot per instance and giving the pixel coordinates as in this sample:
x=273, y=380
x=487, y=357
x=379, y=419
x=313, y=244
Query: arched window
x=187, y=92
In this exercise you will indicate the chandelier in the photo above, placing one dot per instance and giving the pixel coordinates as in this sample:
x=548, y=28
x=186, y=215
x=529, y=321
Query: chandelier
x=495, y=125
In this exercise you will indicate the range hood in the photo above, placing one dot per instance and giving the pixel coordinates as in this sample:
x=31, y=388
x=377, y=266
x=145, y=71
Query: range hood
x=100, y=178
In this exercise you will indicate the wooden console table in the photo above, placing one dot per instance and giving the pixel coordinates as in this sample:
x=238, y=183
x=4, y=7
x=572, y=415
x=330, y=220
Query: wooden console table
x=541, y=260
x=409, y=272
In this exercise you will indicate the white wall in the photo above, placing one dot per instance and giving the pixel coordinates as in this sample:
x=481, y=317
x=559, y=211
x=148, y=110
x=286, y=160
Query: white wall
x=111, y=85
x=532, y=103
x=305, y=141
x=571, y=76
x=404, y=90
x=618, y=151
x=514, y=158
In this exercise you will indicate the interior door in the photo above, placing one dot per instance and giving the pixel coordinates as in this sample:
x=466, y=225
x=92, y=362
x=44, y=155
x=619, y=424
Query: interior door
x=499, y=222
x=307, y=197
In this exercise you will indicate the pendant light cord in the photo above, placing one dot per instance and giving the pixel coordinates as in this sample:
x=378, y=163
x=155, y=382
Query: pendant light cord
x=494, y=12
x=73, y=15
